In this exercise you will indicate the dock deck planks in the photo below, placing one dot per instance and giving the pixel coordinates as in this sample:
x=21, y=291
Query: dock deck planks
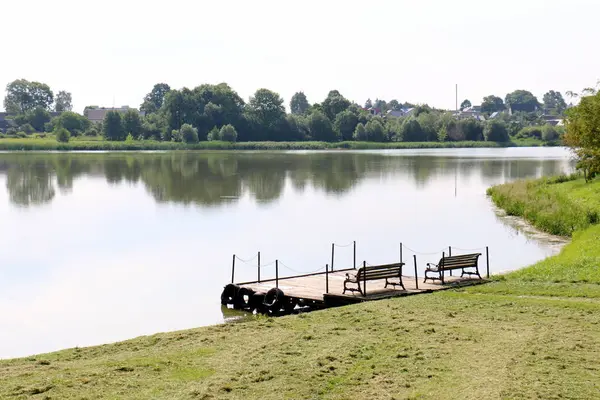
x=313, y=287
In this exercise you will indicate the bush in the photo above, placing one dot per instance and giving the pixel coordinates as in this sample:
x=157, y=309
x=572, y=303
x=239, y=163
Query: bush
x=495, y=131
x=176, y=136
x=530, y=132
x=21, y=135
x=167, y=135
x=214, y=134
x=189, y=134
x=228, y=133
x=129, y=138
x=11, y=131
x=92, y=131
x=27, y=128
x=360, y=134
x=62, y=135
x=549, y=133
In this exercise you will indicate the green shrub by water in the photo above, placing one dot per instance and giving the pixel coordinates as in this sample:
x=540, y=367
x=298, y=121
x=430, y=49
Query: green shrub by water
x=559, y=209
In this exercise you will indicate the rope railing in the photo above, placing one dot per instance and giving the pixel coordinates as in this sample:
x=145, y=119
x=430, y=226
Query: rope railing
x=422, y=253
x=246, y=261
x=461, y=249
x=301, y=272
x=344, y=245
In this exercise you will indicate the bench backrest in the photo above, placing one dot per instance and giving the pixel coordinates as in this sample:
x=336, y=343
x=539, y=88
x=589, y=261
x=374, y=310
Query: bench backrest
x=373, y=272
x=460, y=261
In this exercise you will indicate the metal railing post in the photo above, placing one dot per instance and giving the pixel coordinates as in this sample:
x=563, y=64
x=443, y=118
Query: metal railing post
x=326, y=278
x=354, y=257
x=416, y=273
x=487, y=256
x=259, y=267
x=233, y=269
x=332, y=255
x=277, y=273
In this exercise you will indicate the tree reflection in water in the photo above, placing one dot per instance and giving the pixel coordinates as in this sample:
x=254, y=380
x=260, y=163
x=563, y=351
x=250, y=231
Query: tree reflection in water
x=213, y=178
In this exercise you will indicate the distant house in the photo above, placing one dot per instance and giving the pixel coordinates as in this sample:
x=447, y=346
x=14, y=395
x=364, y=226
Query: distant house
x=97, y=114
x=553, y=120
x=403, y=112
x=470, y=112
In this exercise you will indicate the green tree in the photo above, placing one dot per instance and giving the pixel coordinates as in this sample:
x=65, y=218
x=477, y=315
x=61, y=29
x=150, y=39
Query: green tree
x=334, y=104
x=411, y=131
x=471, y=129
x=153, y=101
x=267, y=114
x=73, y=122
x=368, y=104
x=465, y=104
x=381, y=105
x=62, y=135
x=112, y=126
x=375, y=131
x=63, y=102
x=154, y=126
x=132, y=123
x=228, y=133
x=297, y=127
x=394, y=105
x=23, y=95
x=554, y=103
x=522, y=100
x=37, y=118
x=583, y=133
x=345, y=124
x=320, y=128
x=495, y=131
x=360, y=133
x=491, y=104
x=428, y=121
x=549, y=133
x=189, y=134
x=299, y=104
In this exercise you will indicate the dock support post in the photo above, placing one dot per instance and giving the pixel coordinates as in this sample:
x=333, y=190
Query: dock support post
x=487, y=256
x=326, y=278
x=416, y=274
x=400, y=252
x=365, y=279
x=332, y=255
x=233, y=269
x=450, y=255
x=259, y=267
x=277, y=274
x=354, y=258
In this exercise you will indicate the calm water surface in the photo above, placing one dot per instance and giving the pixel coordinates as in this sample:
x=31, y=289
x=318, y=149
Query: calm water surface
x=96, y=248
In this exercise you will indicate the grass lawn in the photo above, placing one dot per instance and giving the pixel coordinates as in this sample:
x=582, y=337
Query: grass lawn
x=97, y=143
x=531, y=334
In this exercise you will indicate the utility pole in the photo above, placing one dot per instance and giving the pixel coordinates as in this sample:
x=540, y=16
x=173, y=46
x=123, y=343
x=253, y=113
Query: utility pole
x=457, y=98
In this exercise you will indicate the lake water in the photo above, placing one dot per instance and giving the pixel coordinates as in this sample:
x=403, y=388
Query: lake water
x=100, y=247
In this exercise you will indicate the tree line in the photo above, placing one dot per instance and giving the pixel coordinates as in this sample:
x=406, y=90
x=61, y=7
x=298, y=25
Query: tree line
x=217, y=112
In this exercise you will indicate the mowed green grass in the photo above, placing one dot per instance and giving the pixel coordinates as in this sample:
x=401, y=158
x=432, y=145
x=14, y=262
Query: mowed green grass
x=531, y=334
x=443, y=346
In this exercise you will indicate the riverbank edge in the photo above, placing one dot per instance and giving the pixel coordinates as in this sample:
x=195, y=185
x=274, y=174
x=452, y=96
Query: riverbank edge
x=311, y=354
x=97, y=144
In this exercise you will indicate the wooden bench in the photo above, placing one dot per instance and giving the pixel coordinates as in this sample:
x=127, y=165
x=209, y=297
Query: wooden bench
x=450, y=263
x=374, y=272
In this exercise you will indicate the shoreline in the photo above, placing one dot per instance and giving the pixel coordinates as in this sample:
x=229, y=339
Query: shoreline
x=97, y=144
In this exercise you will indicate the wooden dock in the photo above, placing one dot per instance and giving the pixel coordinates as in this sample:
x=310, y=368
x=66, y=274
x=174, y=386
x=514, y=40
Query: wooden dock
x=322, y=290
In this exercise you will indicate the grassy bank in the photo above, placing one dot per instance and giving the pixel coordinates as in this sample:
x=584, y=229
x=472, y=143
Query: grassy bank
x=85, y=143
x=531, y=334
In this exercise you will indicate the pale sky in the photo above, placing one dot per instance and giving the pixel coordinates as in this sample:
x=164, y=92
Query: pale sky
x=113, y=52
